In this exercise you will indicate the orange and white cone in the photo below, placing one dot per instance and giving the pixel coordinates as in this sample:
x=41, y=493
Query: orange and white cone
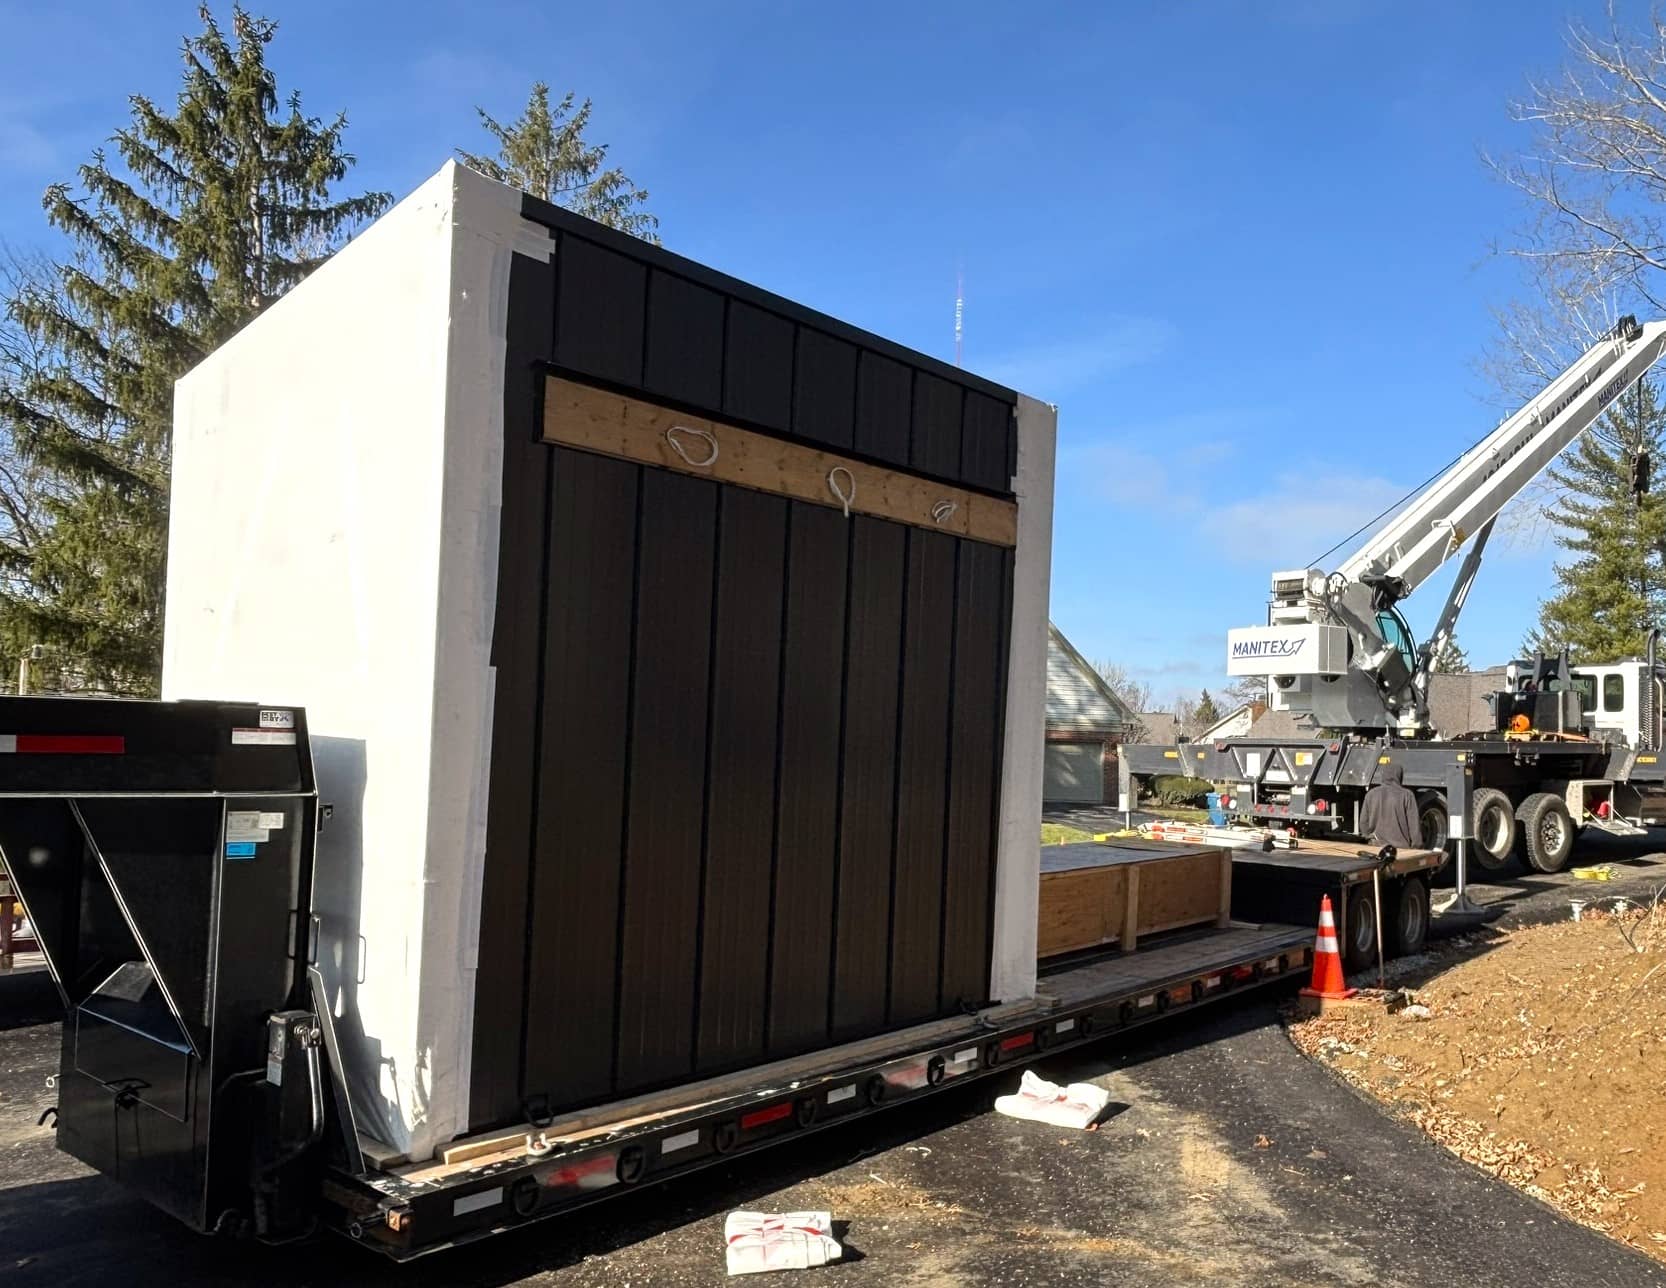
x=1327, y=961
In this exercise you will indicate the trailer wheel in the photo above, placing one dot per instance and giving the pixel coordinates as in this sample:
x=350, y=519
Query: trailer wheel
x=1359, y=941
x=1494, y=828
x=1409, y=924
x=1547, y=832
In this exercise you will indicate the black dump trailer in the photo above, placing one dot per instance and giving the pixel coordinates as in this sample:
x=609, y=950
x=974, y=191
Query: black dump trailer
x=163, y=854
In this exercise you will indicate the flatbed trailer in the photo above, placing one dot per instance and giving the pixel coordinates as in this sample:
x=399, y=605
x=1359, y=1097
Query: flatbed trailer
x=165, y=852
x=408, y=1211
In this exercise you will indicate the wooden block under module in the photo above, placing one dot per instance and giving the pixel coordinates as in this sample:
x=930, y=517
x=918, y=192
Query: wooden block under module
x=1094, y=895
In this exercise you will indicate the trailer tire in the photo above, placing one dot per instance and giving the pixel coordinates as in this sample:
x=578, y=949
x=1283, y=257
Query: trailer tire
x=1408, y=925
x=1547, y=832
x=1359, y=935
x=1493, y=825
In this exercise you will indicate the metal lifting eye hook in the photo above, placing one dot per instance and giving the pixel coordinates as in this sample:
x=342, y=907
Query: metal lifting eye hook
x=539, y=1145
x=845, y=498
x=943, y=511
x=705, y=435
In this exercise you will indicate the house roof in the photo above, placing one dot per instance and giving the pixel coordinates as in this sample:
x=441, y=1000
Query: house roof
x=1225, y=720
x=1458, y=703
x=1078, y=699
x=1161, y=727
x=1281, y=724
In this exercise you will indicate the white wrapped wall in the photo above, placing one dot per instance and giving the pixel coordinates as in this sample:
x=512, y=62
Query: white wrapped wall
x=333, y=545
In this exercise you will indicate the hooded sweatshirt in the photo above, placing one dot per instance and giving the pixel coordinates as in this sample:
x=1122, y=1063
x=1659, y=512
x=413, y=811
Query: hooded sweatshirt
x=1389, y=814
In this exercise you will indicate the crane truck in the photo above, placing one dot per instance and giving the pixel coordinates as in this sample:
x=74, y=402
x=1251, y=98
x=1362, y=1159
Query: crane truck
x=1568, y=747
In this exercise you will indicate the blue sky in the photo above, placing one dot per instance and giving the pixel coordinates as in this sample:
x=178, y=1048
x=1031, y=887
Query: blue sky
x=1248, y=249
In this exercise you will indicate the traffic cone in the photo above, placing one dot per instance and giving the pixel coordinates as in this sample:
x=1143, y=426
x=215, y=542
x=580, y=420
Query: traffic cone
x=1328, y=984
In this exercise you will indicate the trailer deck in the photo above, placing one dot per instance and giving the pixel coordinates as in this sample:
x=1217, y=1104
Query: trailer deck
x=410, y=1210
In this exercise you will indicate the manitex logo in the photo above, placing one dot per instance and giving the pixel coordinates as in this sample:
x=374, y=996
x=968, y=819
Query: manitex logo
x=1267, y=648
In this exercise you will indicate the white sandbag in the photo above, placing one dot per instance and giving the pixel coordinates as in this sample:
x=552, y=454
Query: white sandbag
x=760, y=1241
x=1046, y=1102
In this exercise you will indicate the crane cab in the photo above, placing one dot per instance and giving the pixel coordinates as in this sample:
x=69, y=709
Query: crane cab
x=1621, y=700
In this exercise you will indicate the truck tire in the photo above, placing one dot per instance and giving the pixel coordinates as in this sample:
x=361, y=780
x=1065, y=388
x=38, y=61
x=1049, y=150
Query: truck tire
x=1547, y=832
x=1432, y=819
x=1493, y=825
x=1407, y=922
x=1359, y=931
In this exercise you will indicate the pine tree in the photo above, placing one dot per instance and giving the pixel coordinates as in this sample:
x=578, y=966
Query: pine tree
x=1612, y=592
x=1450, y=659
x=215, y=210
x=544, y=152
x=1206, y=713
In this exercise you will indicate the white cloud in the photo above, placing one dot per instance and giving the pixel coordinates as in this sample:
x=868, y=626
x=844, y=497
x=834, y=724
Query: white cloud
x=1055, y=368
x=467, y=72
x=1296, y=517
x=25, y=147
x=1172, y=465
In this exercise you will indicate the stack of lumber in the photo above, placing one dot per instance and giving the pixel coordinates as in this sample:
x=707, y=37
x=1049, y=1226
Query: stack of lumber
x=1115, y=892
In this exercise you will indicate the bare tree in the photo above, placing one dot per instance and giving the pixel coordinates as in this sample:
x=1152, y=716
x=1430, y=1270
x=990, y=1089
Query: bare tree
x=1596, y=172
x=1134, y=694
x=1245, y=690
x=1594, y=244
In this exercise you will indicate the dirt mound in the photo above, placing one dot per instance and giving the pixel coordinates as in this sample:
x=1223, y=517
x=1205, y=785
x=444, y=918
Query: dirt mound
x=1542, y=1060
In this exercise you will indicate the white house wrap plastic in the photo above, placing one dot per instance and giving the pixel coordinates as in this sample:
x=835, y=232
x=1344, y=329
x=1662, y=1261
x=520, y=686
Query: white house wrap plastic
x=337, y=482
x=1046, y=1102
x=759, y=1241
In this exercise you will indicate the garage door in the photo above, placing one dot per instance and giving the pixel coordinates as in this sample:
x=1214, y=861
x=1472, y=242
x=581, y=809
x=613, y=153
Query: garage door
x=1075, y=773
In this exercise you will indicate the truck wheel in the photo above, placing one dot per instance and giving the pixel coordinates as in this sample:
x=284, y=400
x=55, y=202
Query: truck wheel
x=1359, y=936
x=1432, y=820
x=1547, y=832
x=1408, y=925
x=1494, y=828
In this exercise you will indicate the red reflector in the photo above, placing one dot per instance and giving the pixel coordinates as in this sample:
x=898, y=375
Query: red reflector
x=1017, y=1043
x=758, y=1117
x=69, y=744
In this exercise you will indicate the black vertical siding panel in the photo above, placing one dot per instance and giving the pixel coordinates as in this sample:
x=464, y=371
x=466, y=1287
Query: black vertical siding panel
x=922, y=748
x=494, y=1090
x=758, y=368
x=974, y=757
x=685, y=342
x=824, y=400
x=866, y=831
x=935, y=446
x=667, y=780
x=599, y=305
x=983, y=442
x=581, y=781
x=812, y=660
x=741, y=779
x=884, y=393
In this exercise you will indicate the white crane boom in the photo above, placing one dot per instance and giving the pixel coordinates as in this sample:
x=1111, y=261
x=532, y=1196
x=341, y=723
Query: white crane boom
x=1335, y=647
x=1488, y=476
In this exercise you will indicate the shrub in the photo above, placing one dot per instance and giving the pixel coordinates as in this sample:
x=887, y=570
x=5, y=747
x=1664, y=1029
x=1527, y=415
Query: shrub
x=1178, y=789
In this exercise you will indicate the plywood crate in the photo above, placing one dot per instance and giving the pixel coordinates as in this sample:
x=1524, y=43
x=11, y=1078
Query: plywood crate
x=1094, y=894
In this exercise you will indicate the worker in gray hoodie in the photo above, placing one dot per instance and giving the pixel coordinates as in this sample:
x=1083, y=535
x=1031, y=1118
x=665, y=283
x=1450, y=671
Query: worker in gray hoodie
x=1389, y=814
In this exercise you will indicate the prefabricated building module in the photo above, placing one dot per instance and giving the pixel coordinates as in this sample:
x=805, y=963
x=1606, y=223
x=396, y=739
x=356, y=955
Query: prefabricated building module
x=673, y=656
